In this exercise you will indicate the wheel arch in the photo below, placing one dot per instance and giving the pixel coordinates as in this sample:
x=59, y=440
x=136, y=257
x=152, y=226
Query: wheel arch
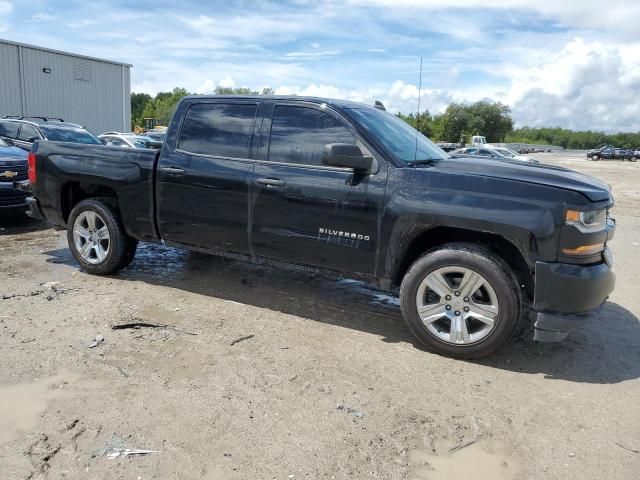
x=73, y=193
x=430, y=238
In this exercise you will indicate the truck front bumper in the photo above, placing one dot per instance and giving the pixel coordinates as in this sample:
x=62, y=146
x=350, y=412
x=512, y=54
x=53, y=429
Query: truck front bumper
x=567, y=295
x=11, y=199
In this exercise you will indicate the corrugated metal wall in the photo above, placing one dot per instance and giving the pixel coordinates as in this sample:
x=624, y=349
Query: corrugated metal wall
x=9, y=80
x=89, y=92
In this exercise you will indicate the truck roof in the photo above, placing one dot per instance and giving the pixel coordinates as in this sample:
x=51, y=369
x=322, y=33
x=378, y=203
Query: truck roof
x=333, y=102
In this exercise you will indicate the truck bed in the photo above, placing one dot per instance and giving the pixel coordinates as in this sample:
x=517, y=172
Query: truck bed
x=71, y=169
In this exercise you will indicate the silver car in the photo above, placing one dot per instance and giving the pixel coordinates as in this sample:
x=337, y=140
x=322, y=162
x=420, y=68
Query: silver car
x=499, y=153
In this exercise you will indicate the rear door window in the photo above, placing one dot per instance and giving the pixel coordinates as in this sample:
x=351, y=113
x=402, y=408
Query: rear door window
x=27, y=132
x=299, y=134
x=217, y=129
x=9, y=129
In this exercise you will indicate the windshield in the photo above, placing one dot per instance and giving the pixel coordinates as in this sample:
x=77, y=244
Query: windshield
x=399, y=138
x=70, y=135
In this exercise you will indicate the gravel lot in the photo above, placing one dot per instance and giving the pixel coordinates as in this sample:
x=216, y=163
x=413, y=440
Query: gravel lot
x=262, y=373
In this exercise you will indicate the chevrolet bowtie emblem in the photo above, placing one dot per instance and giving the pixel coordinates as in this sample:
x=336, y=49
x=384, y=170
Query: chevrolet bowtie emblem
x=8, y=174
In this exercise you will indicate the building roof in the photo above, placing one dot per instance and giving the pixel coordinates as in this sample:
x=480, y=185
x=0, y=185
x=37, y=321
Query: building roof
x=60, y=52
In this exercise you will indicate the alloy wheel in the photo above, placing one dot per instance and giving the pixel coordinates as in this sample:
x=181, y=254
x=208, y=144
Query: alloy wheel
x=457, y=305
x=91, y=237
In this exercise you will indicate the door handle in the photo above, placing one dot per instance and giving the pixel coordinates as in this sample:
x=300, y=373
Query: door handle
x=174, y=171
x=270, y=182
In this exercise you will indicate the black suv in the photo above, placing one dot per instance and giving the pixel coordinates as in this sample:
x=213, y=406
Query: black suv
x=23, y=131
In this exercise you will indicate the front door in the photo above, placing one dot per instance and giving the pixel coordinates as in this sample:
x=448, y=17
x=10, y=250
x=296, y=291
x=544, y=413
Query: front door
x=204, y=175
x=308, y=213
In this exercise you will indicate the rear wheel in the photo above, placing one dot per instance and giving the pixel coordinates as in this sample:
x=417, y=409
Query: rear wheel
x=97, y=238
x=461, y=300
x=634, y=159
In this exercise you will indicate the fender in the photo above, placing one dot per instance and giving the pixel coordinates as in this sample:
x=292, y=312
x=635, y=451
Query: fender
x=528, y=216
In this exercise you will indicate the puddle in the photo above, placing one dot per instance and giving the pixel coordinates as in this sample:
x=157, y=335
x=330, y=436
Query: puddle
x=376, y=296
x=23, y=403
x=483, y=460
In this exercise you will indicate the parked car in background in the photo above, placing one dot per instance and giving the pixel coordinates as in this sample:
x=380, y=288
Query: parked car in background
x=156, y=135
x=448, y=146
x=476, y=245
x=499, y=153
x=23, y=131
x=611, y=153
x=13, y=168
x=129, y=140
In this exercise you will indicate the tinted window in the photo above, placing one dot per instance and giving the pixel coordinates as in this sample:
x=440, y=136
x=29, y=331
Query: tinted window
x=9, y=129
x=27, y=132
x=299, y=134
x=69, y=135
x=218, y=129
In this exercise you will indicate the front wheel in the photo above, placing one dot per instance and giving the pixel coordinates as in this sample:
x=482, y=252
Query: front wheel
x=461, y=300
x=595, y=158
x=97, y=238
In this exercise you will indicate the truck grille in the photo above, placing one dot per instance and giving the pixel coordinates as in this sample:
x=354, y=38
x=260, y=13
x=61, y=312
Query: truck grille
x=16, y=197
x=21, y=171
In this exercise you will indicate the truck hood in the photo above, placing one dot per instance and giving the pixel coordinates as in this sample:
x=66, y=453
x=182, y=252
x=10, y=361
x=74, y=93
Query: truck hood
x=550, y=175
x=12, y=154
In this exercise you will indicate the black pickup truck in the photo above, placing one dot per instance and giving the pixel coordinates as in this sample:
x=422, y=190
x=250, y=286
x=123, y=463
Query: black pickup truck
x=611, y=153
x=475, y=245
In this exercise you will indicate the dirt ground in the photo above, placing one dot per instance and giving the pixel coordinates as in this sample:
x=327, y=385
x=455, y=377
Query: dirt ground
x=263, y=373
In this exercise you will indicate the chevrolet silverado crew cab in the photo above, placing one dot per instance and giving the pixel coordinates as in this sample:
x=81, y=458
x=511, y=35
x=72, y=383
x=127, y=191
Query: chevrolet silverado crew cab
x=476, y=246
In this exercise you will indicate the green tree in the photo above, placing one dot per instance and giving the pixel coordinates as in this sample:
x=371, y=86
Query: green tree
x=138, y=103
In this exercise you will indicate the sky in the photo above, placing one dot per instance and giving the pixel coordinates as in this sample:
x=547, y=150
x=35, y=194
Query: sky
x=568, y=63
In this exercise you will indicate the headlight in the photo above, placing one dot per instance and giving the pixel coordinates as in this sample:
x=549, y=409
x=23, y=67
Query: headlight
x=587, y=222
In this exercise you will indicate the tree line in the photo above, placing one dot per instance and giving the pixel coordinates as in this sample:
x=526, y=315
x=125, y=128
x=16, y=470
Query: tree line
x=457, y=123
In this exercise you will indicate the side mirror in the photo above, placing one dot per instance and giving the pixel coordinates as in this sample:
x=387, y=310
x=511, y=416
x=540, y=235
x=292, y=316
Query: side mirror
x=347, y=156
x=32, y=139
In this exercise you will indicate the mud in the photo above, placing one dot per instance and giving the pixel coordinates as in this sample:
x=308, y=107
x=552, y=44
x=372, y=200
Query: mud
x=326, y=383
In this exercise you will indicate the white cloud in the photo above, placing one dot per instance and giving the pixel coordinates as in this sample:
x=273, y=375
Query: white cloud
x=610, y=15
x=205, y=87
x=397, y=97
x=583, y=86
x=209, y=86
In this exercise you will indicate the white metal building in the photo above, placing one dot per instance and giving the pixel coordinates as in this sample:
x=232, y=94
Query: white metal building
x=37, y=81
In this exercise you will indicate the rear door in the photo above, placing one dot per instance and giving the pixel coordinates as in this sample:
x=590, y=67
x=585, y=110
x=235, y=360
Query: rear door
x=204, y=173
x=308, y=213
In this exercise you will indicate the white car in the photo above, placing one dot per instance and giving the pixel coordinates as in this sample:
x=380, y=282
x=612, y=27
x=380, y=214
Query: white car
x=500, y=153
x=129, y=140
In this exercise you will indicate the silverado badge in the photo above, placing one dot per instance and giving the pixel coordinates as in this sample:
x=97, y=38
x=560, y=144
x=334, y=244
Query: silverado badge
x=8, y=174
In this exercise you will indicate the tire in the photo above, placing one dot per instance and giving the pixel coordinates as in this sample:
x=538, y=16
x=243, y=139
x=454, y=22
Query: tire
x=595, y=158
x=109, y=248
x=497, y=298
x=634, y=159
